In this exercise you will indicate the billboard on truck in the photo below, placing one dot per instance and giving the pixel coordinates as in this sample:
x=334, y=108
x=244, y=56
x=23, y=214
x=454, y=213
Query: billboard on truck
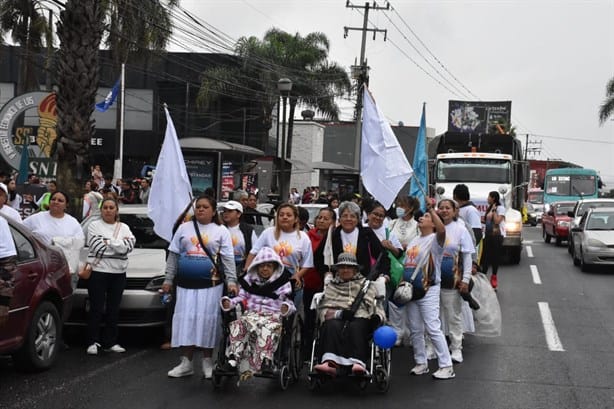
x=479, y=117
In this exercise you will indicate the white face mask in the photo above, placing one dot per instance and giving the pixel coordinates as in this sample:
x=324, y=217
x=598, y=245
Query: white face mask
x=400, y=212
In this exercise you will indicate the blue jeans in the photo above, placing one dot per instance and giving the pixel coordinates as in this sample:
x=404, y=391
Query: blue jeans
x=105, y=292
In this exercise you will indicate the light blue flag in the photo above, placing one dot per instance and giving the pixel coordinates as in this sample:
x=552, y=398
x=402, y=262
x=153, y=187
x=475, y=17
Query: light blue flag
x=103, y=106
x=420, y=164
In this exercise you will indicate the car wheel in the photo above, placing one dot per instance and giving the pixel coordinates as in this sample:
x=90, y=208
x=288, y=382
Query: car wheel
x=583, y=266
x=547, y=237
x=576, y=261
x=569, y=245
x=42, y=341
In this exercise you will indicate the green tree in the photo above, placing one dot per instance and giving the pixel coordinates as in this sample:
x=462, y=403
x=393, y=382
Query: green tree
x=28, y=27
x=606, y=110
x=304, y=60
x=80, y=32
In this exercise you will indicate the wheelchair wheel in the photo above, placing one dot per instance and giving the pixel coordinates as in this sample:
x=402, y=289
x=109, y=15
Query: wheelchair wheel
x=216, y=380
x=314, y=383
x=295, y=359
x=382, y=380
x=363, y=383
x=284, y=377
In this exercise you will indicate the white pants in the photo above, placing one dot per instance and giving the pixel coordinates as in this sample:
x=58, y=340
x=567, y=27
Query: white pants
x=399, y=319
x=451, y=311
x=424, y=315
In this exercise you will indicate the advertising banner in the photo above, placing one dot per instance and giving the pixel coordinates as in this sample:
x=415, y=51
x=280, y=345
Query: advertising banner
x=201, y=170
x=228, y=183
x=480, y=117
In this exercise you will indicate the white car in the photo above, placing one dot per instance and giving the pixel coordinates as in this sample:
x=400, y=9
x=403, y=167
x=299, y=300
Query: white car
x=141, y=305
x=578, y=211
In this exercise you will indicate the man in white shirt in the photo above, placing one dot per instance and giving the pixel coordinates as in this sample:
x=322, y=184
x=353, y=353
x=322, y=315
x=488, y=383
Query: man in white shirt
x=467, y=211
x=5, y=209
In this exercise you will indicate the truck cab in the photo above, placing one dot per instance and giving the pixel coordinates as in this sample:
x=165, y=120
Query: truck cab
x=484, y=163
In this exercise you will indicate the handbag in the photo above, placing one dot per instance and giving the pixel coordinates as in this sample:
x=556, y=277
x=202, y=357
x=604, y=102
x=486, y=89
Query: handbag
x=195, y=267
x=396, y=266
x=85, y=272
x=405, y=291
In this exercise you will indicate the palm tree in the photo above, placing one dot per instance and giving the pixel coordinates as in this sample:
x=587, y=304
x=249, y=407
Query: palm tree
x=28, y=28
x=80, y=32
x=316, y=82
x=606, y=110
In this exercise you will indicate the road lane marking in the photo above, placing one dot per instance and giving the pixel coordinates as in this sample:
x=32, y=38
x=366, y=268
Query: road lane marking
x=552, y=336
x=535, y=274
x=529, y=251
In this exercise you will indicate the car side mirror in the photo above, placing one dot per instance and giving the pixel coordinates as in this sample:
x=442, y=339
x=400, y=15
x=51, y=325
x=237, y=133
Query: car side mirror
x=576, y=229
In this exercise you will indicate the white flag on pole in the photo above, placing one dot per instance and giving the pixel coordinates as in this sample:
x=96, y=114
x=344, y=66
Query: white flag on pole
x=383, y=166
x=170, y=190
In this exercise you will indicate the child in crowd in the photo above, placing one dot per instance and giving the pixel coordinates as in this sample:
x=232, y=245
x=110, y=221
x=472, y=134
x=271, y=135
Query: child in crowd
x=266, y=296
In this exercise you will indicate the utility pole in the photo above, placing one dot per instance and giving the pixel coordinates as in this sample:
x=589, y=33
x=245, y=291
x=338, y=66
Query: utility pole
x=361, y=73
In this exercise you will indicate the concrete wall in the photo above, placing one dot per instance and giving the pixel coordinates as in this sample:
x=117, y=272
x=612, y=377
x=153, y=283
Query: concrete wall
x=307, y=147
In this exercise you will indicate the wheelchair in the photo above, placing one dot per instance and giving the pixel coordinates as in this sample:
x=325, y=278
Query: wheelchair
x=378, y=367
x=287, y=364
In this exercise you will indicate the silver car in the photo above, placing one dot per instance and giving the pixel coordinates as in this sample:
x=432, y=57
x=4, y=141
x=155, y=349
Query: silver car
x=579, y=209
x=140, y=306
x=593, y=239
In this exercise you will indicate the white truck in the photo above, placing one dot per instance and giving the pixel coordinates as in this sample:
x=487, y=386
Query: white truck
x=485, y=163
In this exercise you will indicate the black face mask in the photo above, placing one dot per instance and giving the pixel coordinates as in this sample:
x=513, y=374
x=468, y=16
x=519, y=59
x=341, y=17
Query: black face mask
x=418, y=214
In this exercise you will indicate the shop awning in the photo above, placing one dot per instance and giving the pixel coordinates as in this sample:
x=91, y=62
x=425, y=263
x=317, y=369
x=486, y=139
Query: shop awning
x=218, y=146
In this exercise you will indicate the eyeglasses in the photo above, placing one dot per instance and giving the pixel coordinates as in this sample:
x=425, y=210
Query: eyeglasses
x=380, y=215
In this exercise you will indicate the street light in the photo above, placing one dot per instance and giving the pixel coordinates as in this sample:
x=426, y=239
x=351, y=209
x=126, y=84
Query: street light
x=284, y=86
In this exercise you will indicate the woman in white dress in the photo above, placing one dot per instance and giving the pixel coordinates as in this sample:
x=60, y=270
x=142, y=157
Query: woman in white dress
x=197, y=318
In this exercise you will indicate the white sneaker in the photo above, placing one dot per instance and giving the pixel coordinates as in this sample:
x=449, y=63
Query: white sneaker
x=185, y=368
x=116, y=348
x=207, y=368
x=420, y=369
x=456, y=355
x=430, y=351
x=93, y=349
x=444, y=373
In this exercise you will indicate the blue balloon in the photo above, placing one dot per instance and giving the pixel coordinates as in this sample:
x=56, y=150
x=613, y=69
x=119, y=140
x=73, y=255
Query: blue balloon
x=385, y=337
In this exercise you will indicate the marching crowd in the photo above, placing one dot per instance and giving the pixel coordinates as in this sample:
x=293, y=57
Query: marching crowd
x=421, y=264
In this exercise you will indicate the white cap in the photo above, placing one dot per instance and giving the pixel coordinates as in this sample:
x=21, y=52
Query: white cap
x=3, y=187
x=233, y=205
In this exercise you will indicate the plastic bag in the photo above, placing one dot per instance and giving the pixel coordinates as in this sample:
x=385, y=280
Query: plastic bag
x=488, y=318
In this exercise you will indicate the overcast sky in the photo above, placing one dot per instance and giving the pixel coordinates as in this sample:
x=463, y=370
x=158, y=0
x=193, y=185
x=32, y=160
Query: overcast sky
x=552, y=59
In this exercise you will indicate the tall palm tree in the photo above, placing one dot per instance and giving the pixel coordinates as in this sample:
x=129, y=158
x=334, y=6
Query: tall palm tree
x=606, y=110
x=80, y=32
x=28, y=27
x=316, y=81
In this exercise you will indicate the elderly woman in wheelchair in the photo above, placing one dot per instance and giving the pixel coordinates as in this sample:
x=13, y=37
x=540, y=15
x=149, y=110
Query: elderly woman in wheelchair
x=348, y=312
x=265, y=295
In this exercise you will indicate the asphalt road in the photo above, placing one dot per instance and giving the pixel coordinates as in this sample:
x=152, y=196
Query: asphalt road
x=520, y=369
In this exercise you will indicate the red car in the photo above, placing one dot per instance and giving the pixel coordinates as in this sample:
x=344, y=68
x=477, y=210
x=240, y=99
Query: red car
x=41, y=301
x=556, y=222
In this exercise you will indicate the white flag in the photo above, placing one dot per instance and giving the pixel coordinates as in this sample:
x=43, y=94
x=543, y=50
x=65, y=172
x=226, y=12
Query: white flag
x=171, y=191
x=383, y=166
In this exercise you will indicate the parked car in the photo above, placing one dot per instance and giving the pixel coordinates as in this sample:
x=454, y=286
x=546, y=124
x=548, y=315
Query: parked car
x=593, y=238
x=140, y=306
x=579, y=209
x=41, y=301
x=556, y=222
x=313, y=209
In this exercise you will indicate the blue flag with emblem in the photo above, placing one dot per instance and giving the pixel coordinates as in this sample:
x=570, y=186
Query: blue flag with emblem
x=103, y=106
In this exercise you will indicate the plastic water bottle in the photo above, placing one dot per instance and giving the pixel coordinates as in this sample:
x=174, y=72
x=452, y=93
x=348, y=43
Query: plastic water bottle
x=165, y=298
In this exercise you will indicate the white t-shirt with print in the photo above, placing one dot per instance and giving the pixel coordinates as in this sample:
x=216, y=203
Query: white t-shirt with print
x=45, y=227
x=293, y=248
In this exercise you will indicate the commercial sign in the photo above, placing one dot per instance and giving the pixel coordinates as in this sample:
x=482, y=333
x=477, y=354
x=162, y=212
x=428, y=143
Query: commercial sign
x=38, y=140
x=479, y=117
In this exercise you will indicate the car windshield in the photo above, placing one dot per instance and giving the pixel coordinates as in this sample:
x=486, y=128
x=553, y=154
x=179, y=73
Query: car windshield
x=593, y=205
x=564, y=209
x=142, y=228
x=600, y=221
x=574, y=185
x=468, y=170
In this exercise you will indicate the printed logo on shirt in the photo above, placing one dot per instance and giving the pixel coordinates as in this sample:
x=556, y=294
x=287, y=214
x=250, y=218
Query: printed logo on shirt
x=349, y=248
x=283, y=249
x=410, y=258
x=196, y=244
